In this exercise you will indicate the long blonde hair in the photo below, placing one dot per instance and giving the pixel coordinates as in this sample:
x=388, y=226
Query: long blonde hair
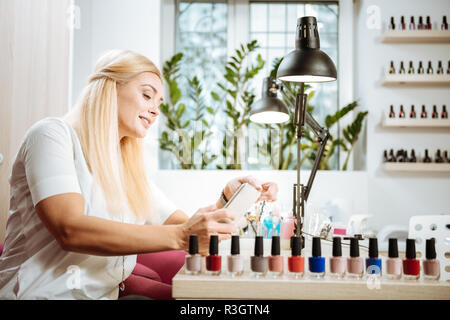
x=117, y=165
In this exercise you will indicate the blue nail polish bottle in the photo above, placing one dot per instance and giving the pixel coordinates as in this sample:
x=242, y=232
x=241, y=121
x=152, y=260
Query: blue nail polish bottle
x=316, y=262
x=373, y=263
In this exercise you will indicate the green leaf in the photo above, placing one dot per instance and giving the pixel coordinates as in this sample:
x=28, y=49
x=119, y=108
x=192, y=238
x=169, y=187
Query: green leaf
x=180, y=110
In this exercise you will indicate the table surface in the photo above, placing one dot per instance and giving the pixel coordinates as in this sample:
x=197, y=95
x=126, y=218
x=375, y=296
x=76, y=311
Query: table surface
x=246, y=286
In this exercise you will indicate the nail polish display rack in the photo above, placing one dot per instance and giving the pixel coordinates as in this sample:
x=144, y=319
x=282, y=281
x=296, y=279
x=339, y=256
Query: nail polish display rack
x=307, y=286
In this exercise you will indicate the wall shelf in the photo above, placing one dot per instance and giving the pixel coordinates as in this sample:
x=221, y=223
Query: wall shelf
x=415, y=167
x=416, y=36
x=416, y=80
x=415, y=123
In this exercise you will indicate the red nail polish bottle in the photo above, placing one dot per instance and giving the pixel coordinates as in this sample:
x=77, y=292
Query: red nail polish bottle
x=296, y=262
x=411, y=266
x=214, y=261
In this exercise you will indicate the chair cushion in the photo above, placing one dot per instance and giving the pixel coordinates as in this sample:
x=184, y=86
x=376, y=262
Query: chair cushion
x=143, y=271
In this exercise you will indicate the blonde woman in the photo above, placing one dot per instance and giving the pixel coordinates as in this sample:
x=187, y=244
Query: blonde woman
x=82, y=206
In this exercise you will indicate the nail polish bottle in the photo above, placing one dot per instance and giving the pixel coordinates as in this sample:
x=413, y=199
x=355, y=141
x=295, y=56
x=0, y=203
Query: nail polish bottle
x=446, y=158
x=258, y=263
x=412, y=25
x=391, y=112
x=391, y=68
x=391, y=156
x=423, y=113
x=235, y=260
x=410, y=68
x=193, y=259
x=412, y=113
x=385, y=156
x=337, y=262
x=316, y=261
x=448, y=67
x=393, y=263
x=420, y=69
x=392, y=24
x=400, y=156
x=438, y=158
x=440, y=69
x=411, y=266
x=275, y=260
x=444, y=114
x=426, y=158
x=430, y=68
x=428, y=25
x=373, y=263
x=355, y=264
x=402, y=68
x=444, y=25
x=214, y=260
x=434, y=114
x=413, y=156
x=401, y=114
x=402, y=23
x=296, y=263
x=420, y=25
x=431, y=265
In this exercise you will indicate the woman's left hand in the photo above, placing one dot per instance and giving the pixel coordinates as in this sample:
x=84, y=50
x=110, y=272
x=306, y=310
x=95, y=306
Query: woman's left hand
x=269, y=190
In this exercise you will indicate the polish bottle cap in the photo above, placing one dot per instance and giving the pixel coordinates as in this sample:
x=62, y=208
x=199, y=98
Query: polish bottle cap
x=296, y=243
x=337, y=247
x=235, y=249
x=373, y=248
x=193, y=244
x=393, y=248
x=410, y=248
x=354, y=248
x=316, y=248
x=259, y=246
x=430, y=250
x=214, y=244
x=275, y=245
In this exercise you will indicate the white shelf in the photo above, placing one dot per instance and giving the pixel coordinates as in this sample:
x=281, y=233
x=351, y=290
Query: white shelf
x=416, y=36
x=416, y=167
x=416, y=80
x=415, y=123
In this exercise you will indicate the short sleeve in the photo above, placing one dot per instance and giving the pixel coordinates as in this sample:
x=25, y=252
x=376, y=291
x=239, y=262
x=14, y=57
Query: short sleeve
x=49, y=160
x=165, y=206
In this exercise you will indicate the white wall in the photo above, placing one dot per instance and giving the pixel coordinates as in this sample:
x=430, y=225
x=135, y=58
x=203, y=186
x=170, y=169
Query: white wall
x=393, y=198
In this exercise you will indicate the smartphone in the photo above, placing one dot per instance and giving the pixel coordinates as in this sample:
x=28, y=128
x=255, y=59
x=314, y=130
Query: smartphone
x=241, y=201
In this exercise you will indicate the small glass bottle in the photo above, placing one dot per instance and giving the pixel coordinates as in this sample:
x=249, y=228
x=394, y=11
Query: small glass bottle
x=401, y=114
x=214, y=260
x=393, y=263
x=402, y=23
x=423, y=113
x=355, y=264
x=392, y=24
x=337, y=262
x=434, y=114
x=438, y=158
x=391, y=68
x=420, y=69
x=412, y=25
x=296, y=263
x=391, y=112
x=413, y=156
x=428, y=26
x=258, y=263
x=373, y=263
x=411, y=266
x=275, y=260
x=392, y=157
x=411, y=68
x=402, y=68
x=431, y=265
x=430, y=68
x=420, y=25
x=444, y=114
x=412, y=113
x=426, y=158
x=444, y=25
x=440, y=69
x=385, y=156
x=235, y=260
x=193, y=259
x=316, y=261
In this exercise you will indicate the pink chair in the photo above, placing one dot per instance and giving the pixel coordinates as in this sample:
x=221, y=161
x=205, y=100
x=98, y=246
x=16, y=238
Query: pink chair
x=152, y=276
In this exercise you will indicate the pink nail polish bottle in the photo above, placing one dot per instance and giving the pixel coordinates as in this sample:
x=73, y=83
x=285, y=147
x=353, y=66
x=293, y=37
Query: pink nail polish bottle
x=193, y=259
x=431, y=265
x=337, y=261
x=393, y=263
x=235, y=260
x=275, y=260
x=355, y=264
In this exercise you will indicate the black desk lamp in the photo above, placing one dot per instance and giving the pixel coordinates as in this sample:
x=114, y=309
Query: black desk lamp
x=307, y=63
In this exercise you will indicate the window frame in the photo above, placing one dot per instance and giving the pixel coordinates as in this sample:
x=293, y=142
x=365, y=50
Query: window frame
x=238, y=13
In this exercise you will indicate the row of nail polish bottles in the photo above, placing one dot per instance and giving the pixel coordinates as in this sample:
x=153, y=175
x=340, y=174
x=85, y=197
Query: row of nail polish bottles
x=420, y=26
x=420, y=69
x=423, y=113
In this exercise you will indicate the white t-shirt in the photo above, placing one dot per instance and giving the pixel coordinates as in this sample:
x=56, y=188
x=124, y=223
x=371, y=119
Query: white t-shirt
x=50, y=161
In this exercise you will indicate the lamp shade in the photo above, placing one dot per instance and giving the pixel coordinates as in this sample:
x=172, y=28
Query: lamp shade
x=307, y=63
x=269, y=109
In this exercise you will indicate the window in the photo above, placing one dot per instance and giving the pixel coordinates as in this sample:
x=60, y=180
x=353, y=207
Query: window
x=203, y=32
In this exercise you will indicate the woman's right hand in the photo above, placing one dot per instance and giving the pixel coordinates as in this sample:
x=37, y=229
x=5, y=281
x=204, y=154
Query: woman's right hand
x=206, y=222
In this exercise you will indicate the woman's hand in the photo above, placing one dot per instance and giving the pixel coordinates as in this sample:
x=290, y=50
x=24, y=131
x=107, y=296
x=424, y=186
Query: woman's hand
x=204, y=223
x=269, y=190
